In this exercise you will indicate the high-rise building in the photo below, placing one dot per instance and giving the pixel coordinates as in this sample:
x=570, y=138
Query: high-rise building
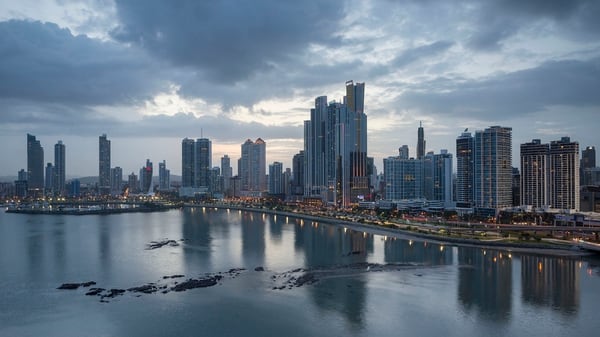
x=146, y=177
x=103, y=165
x=403, y=178
x=535, y=171
x=216, y=180
x=403, y=152
x=202, y=162
x=287, y=181
x=464, y=170
x=420, y=142
x=564, y=174
x=59, y=169
x=588, y=166
x=335, y=149
x=49, y=182
x=35, y=165
x=187, y=162
x=164, y=176
x=22, y=175
x=492, y=168
x=437, y=177
x=132, y=181
x=252, y=166
x=226, y=172
x=116, y=180
x=276, y=184
x=352, y=183
x=298, y=173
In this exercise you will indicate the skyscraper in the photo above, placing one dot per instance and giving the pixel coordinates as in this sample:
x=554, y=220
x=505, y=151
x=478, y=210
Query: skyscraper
x=226, y=172
x=276, y=178
x=298, y=173
x=403, y=152
x=437, y=177
x=335, y=149
x=49, y=178
x=116, y=180
x=420, y=142
x=187, y=162
x=202, y=162
x=253, y=166
x=535, y=173
x=164, y=176
x=59, y=169
x=146, y=177
x=35, y=165
x=588, y=166
x=564, y=174
x=104, y=165
x=464, y=170
x=403, y=178
x=351, y=147
x=132, y=181
x=492, y=168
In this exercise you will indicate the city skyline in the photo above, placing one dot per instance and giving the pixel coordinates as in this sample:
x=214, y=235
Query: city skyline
x=531, y=66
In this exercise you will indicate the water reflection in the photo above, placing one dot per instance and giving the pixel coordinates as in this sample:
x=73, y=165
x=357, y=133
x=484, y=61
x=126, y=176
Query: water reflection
x=485, y=283
x=253, y=239
x=35, y=247
x=327, y=246
x=196, y=233
x=550, y=282
x=421, y=252
x=104, y=245
x=58, y=237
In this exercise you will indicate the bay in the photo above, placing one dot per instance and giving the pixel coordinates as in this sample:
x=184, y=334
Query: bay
x=367, y=285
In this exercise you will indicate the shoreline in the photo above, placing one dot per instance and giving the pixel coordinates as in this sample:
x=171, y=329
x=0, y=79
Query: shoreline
x=552, y=249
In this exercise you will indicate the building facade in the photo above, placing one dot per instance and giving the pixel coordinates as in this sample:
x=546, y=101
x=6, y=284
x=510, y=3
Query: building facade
x=252, y=166
x=464, y=170
x=59, y=169
x=535, y=171
x=564, y=174
x=492, y=168
x=35, y=165
x=103, y=165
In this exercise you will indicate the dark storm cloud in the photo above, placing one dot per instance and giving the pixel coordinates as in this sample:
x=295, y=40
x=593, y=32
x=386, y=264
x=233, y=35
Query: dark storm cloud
x=44, y=63
x=555, y=83
x=227, y=40
x=500, y=19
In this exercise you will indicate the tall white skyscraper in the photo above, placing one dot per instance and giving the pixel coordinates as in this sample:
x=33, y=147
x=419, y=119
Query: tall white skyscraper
x=492, y=168
x=252, y=166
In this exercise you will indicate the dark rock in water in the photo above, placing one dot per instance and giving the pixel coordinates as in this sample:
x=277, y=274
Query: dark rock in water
x=173, y=276
x=94, y=291
x=146, y=289
x=196, y=283
x=259, y=269
x=113, y=293
x=69, y=286
x=308, y=278
x=158, y=244
x=73, y=286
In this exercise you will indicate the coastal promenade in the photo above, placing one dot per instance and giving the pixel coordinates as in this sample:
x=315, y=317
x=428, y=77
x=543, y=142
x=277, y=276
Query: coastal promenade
x=432, y=232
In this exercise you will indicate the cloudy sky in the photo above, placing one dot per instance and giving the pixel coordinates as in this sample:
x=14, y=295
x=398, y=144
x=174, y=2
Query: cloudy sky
x=149, y=73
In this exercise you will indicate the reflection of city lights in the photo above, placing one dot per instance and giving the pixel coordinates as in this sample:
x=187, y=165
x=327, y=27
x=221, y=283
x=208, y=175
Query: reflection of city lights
x=345, y=229
x=441, y=248
x=286, y=219
x=495, y=259
x=484, y=252
x=500, y=255
x=579, y=264
x=410, y=242
x=589, y=271
x=509, y=255
x=228, y=210
x=540, y=266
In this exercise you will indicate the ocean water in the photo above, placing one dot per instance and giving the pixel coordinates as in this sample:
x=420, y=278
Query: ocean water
x=362, y=284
